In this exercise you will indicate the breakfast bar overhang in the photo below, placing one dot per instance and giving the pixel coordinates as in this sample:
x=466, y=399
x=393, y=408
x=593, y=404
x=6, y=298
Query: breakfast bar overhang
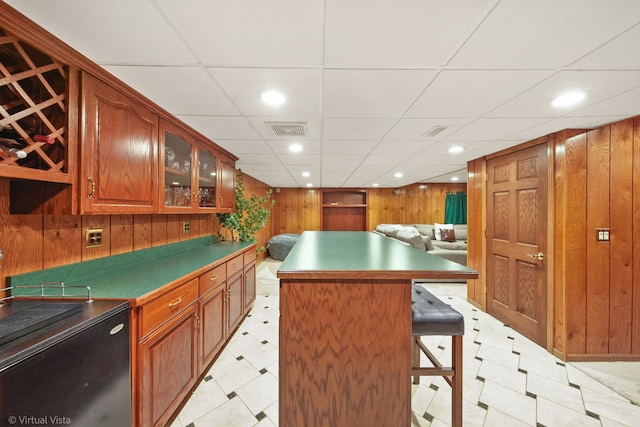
x=345, y=328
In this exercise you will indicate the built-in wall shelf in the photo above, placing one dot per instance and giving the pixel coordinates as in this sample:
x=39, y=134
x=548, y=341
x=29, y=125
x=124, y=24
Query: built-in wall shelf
x=344, y=210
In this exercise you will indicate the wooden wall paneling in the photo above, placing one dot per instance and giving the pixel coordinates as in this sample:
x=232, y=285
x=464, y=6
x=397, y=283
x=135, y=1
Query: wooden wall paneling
x=574, y=212
x=96, y=221
x=296, y=210
x=598, y=199
x=122, y=234
x=158, y=230
x=63, y=240
x=558, y=305
x=310, y=210
x=476, y=248
x=21, y=239
x=142, y=231
x=635, y=326
x=621, y=252
x=386, y=207
x=174, y=228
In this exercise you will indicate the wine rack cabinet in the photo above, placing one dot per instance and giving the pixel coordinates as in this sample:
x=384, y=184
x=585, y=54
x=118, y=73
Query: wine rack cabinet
x=33, y=101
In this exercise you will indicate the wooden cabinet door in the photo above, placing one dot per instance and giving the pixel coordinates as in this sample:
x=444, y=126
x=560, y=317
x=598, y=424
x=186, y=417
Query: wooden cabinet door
x=119, y=162
x=249, y=286
x=177, y=180
x=226, y=185
x=212, y=325
x=234, y=297
x=169, y=368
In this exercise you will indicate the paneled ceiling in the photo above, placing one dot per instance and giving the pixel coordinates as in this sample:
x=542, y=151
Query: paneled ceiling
x=368, y=78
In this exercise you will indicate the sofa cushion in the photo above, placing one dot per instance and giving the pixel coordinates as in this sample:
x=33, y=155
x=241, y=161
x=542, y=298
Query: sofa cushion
x=461, y=231
x=425, y=230
x=448, y=234
x=414, y=239
x=428, y=243
x=437, y=227
x=452, y=246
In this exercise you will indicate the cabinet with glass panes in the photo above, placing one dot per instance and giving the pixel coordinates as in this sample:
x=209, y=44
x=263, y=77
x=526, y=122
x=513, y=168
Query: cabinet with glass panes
x=189, y=171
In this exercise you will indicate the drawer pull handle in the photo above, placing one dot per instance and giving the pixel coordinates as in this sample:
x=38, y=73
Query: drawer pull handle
x=176, y=302
x=214, y=278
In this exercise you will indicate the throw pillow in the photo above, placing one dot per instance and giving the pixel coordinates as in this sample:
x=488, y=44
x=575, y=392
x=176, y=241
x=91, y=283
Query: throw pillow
x=437, y=227
x=428, y=243
x=448, y=234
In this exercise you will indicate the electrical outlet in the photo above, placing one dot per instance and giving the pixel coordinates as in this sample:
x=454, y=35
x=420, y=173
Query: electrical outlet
x=186, y=227
x=94, y=237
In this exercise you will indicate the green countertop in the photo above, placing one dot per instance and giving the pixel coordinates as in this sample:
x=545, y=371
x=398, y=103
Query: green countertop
x=363, y=254
x=133, y=275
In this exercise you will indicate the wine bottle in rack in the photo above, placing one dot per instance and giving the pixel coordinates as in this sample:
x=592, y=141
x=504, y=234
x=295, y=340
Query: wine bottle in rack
x=10, y=137
x=13, y=151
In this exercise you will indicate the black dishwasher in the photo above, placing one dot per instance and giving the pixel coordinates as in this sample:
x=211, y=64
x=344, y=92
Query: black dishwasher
x=74, y=370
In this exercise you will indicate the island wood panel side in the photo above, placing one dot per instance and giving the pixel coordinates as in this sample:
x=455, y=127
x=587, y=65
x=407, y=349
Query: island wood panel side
x=335, y=370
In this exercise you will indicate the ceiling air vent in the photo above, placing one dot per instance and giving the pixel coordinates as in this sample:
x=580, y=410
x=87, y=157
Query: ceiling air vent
x=435, y=130
x=287, y=128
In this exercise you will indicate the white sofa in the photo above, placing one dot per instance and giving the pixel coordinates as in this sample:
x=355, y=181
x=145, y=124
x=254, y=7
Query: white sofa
x=423, y=237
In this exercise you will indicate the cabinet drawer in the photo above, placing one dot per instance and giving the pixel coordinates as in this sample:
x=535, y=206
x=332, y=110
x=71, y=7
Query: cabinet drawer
x=212, y=278
x=249, y=256
x=234, y=265
x=158, y=311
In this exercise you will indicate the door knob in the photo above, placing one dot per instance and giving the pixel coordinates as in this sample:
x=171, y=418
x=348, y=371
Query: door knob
x=539, y=256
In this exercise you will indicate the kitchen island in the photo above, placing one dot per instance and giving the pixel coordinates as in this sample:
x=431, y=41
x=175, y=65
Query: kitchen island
x=345, y=328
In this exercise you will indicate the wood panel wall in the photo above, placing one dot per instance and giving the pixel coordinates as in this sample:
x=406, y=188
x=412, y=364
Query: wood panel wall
x=476, y=226
x=594, y=286
x=298, y=209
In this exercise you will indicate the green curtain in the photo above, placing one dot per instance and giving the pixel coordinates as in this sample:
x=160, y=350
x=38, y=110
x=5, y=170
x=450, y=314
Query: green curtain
x=455, y=208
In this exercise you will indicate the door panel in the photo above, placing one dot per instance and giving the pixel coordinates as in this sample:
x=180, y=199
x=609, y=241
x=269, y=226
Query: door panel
x=516, y=235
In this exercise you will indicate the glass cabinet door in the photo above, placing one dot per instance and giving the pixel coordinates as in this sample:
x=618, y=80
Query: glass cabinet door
x=177, y=171
x=207, y=177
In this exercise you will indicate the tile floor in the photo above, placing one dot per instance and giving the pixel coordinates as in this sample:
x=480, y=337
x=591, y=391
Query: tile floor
x=508, y=380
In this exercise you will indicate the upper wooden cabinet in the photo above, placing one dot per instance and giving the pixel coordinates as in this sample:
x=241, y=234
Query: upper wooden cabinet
x=89, y=143
x=119, y=159
x=189, y=172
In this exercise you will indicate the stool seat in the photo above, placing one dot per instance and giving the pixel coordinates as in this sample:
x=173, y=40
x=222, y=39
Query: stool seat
x=431, y=316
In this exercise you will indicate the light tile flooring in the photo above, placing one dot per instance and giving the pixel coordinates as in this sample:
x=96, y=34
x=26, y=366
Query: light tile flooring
x=508, y=380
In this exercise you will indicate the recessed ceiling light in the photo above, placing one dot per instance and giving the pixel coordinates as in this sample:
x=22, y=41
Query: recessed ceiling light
x=568, y=99
x=398, y=175
x=454, y=178
x=306, y=174
x=375, y=184
x=456, y=149
x=309, y=184
x=273, y=97
x=295, y=148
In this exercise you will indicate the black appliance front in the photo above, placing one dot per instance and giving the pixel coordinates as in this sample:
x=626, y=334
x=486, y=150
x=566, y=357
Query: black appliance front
x=83, y=380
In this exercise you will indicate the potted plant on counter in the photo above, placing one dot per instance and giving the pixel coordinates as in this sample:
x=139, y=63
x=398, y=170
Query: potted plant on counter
x=250, y=216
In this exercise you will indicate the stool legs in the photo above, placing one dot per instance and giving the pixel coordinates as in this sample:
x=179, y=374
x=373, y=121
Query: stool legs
x=452, y=375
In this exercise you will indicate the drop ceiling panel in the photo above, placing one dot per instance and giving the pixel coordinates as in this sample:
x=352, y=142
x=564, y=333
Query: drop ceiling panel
x=598, y=85
x=246, y=33
x=420, y=33
x=614, y=53
x=187, y=90
x=408, y=148
x=496, y=129
x=471, y=93
x=356, y=129
x=372, y=93
x=346, y=147
x=264, y=128
x=218, y=127
x=110, y=32
x=416, y=129
x=251, y=146
x=544, y=33
x=300, y=86
x=308, y=147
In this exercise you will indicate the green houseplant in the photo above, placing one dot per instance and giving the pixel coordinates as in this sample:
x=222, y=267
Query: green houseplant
x=250, y=215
